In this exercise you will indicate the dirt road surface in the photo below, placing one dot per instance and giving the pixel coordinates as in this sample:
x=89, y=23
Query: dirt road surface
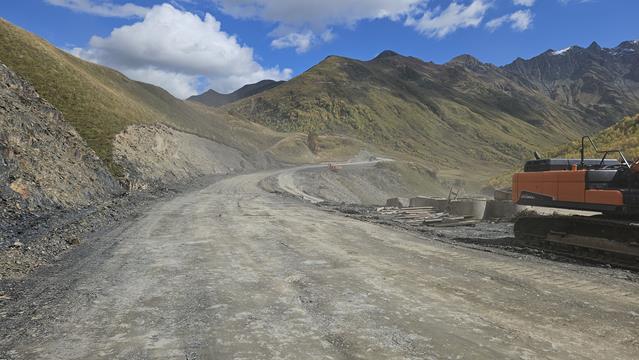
x=234, y=272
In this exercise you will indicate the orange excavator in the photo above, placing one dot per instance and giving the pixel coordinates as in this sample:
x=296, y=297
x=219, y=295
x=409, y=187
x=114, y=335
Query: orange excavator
x=607, y=188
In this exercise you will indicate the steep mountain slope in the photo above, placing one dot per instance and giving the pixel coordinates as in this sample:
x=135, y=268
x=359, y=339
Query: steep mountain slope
x=100, y=102
x=600, y=84
x=460, y=115
x=44, y=163
x=215, y=99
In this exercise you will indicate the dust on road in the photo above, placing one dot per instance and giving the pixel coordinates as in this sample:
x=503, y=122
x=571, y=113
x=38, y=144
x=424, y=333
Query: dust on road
x=232, y=271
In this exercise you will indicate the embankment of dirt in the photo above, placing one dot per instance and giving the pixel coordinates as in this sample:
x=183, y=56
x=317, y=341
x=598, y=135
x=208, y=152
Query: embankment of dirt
x=153, y=155
x=366, y=184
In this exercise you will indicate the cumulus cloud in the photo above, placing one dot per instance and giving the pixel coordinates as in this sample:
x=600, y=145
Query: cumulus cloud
x=179, y=51
x=302, y=23
x=441, y=22
x=519, y=21
x=106, y=9
x=528, y=3
x=303, y=41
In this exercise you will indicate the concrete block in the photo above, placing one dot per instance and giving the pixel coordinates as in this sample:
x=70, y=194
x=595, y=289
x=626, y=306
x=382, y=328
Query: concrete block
x=502, y=209
x=503, y=194
x=398, y=202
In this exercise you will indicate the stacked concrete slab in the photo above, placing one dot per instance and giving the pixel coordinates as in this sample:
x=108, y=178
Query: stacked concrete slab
x=480, y=209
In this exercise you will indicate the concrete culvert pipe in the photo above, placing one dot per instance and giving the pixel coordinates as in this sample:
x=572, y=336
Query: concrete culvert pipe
x=468, y=207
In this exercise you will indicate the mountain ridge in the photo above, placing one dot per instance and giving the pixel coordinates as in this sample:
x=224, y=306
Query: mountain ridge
x=393, y=96
x=410, y=106
x=216, y=99
x=601, y=84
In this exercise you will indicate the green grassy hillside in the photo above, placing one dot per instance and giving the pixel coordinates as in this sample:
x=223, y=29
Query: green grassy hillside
x=624, y=136
x=100, y=102
x=463, y=116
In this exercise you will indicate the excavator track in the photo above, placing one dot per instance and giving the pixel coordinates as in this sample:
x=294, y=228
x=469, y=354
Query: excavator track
x=597, y=239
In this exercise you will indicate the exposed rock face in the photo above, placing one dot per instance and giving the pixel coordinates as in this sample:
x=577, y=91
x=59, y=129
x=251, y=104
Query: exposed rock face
x=44, y=163
x=156, y=154
x=601, y=84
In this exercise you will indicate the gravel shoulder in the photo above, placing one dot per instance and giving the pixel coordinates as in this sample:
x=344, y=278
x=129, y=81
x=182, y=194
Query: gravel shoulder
x=45, y=240
x=232, y=271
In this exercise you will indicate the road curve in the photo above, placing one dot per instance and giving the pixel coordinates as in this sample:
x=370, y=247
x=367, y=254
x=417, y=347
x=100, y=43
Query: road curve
x=232, y=271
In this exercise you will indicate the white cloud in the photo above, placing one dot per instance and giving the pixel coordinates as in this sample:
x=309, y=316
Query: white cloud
x=179, y=50
x=328, y=35
x=301, y=24
x=519, y=21
x=496, y=23
x=439, y=23
x=104, y=8
x=300, y=41
x=528, y=3
x=179, y=84
x=317, y=14
x=300, y=21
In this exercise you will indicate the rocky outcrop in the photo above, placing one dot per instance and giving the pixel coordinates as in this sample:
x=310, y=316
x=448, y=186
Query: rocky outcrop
x=153, y=155
x=44, y=164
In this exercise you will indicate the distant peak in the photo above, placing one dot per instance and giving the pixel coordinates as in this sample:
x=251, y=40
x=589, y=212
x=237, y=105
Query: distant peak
x=259, y=83
x=386, y=54
x=562, y=51
x=211, y=91
x=571, y=49
x=465, y=60
x=332, y=57
x=594, y=45
x=629, y=44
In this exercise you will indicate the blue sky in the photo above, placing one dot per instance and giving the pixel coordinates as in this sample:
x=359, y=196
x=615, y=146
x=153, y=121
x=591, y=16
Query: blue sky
x=181, y=48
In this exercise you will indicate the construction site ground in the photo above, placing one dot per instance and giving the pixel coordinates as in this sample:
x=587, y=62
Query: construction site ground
x=238, y=270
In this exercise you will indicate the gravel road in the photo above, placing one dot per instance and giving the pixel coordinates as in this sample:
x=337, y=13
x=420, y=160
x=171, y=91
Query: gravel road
x=231, y=271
